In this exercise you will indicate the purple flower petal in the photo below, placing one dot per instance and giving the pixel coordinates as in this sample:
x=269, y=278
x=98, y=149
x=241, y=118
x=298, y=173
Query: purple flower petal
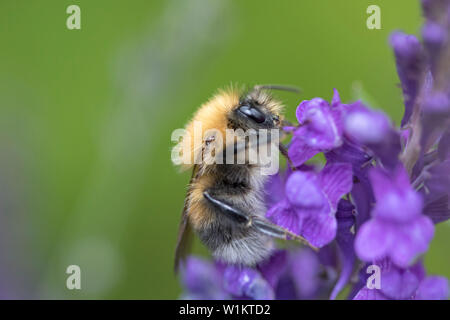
x=336, y=100
x=433, y=9
x=284, y=215
x=246, y=283
x=419, y=270
x=237, y=278
x=438, y=181
x=336, y=180
x=274, y=189
x=398, y=284
x=396, y=200
x=259, y=289
x=438, y=210
x=388, y=150
x=299, y=152
x=367, y=126
x=201, y=280
x=305, y=269
x=285, y=289
x=373, y=129
x=435, y=118
x=352, y=153
x=319, y=229
x=400, y=208
x=409, y=57
x=437, y=103
x=321, y=127
x=434, y=37
x=411, y=240
x=302, y=110
x=273, y=268
x=373, y=240
x=369, y=294
x=303, y=190
x=345, y=242
x=433, y=288
x=363, y=199
x=362, y=195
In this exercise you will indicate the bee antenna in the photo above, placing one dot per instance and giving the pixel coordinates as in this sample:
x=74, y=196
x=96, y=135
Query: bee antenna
x=277, y=87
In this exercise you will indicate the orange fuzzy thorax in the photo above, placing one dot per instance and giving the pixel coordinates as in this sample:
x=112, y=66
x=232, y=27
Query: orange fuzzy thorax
x=213, y=116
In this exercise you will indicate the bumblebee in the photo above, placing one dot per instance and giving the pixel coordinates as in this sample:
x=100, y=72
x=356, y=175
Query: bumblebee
x=224, y=204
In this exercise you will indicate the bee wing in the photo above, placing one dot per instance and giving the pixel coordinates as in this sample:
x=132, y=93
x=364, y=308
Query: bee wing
x=184, y=240
x=185, y=234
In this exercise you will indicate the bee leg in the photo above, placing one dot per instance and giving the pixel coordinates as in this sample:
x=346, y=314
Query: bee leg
x=285, y=153
x=261, y=224
x=273, y=230
x=231, y=212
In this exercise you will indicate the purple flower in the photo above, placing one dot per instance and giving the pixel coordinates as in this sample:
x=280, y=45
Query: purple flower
x=247, y=283
x=202, y=280
x=304, y=276
x=320, y=129
x=206, y=280
x=296, y=274
x=311, y=201
x=353, y=153
x=433, y=288
x=436, y=117
x=405, y=284
x=433, y=9
x=312, y=280
x=399, y=284
x=362, y=194
x=398, y=229
x=437, y=180
x=436, y=99
x=437, y=103
x=345, y=242
x=435, y=37
x=438, y=210
x=367, y=126
x=373, y=130
x=409, y=57
x=434, y=184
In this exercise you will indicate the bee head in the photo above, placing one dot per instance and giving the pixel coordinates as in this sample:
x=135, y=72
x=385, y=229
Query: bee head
x=256, y=110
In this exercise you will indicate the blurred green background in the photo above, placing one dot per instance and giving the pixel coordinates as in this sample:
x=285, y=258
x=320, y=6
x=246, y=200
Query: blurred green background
x=86, y=117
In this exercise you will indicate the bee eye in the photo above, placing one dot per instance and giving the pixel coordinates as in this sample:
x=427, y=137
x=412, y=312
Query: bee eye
x=253, y=113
